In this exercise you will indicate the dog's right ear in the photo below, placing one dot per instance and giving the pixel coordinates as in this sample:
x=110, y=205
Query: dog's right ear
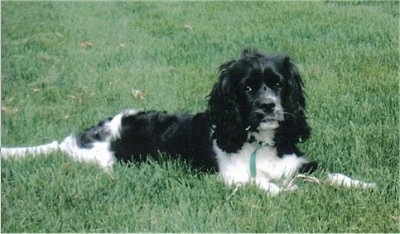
x=224, y=112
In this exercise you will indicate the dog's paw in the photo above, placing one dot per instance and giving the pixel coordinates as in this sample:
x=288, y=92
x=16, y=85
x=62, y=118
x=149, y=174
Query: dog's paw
x=342, y=180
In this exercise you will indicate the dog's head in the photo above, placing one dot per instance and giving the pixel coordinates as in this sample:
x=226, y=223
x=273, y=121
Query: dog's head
x=256, y=94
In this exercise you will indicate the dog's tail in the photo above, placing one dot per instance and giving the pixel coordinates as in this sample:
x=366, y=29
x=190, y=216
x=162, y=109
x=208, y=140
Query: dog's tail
x=95, y=151
x=20, y=152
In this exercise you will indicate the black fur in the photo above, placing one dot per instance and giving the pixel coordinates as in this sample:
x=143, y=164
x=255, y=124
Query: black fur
x=229, y=109
x=152, y=132
x=229, y=117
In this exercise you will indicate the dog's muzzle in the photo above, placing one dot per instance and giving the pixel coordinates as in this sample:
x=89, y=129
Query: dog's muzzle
x=268, y=110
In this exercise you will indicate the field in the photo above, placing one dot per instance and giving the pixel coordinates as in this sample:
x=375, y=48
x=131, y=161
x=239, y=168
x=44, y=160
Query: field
x=67, y=65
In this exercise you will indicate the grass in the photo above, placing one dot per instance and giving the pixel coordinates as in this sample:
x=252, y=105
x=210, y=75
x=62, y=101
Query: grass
x=66, y=65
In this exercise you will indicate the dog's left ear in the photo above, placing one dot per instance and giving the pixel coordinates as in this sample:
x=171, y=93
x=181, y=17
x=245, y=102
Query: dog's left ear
x=295, y=128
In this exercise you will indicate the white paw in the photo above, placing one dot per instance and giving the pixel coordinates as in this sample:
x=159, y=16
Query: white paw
x=271, y=188
x=342, y=180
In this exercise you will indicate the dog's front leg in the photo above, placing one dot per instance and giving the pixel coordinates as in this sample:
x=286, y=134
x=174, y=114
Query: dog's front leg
x=261, y=182
x=272, y=188
x=342, y=180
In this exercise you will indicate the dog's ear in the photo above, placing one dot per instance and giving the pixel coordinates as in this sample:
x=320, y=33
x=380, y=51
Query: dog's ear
x=224, y=110
x=297, y=100
x=295, y=128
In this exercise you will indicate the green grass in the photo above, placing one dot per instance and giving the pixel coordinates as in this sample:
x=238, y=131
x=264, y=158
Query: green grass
x=52, y=85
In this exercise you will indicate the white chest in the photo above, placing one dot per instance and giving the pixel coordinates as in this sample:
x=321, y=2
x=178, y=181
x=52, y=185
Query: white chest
x=235, y=167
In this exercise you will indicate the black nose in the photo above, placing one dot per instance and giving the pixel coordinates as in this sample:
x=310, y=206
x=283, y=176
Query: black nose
x=267, y=107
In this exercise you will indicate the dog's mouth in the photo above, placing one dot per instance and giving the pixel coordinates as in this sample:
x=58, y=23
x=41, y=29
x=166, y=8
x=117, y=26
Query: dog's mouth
x=260, y=119
x=268, y=123
x=276, y=116
x=269, y=119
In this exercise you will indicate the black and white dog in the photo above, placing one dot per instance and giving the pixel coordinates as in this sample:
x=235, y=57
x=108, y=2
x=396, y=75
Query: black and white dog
x=248, y=133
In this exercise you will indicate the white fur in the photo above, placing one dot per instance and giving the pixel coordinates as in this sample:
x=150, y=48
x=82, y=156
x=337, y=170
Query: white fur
x=342, y=180
x=265, y=132
x=273, y=174
x=270, y=169
x=36, y=150
x=100, y=152
x=115, y=124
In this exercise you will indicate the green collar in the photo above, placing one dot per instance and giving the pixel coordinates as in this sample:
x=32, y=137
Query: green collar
x=253, y=169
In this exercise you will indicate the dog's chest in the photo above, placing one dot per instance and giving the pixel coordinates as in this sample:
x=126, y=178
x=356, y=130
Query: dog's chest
x=235, y=167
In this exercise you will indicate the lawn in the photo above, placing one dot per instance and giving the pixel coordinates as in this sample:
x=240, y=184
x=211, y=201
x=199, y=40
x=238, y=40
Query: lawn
x=67, y=65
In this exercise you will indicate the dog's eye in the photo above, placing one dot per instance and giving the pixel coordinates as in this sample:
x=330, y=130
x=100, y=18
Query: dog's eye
x=278, y=85
x=248, y=89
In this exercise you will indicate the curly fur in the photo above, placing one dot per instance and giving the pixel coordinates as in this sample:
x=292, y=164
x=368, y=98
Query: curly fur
x=228, y=110
x=257, y=107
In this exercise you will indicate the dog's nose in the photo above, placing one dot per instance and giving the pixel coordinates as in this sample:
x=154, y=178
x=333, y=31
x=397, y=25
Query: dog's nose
x=267, y=107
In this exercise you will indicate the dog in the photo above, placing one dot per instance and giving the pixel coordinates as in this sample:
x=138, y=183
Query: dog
x=256, y=116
